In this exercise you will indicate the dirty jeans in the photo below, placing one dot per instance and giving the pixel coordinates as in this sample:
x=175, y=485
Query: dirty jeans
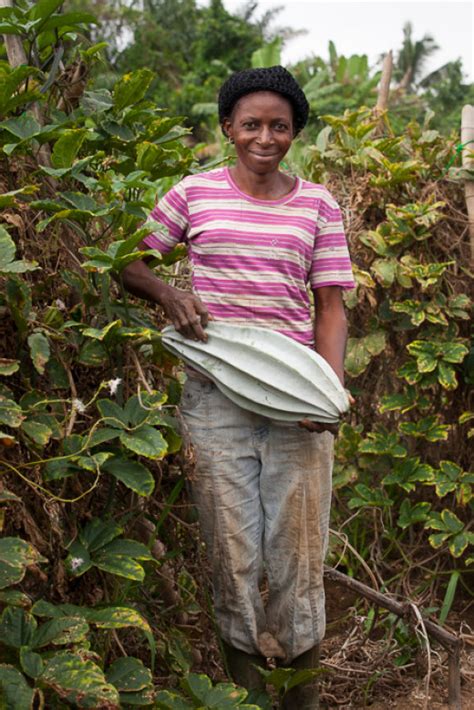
x=263, y=492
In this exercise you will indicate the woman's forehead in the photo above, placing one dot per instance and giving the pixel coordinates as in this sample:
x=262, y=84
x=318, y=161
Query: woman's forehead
x=263, y=100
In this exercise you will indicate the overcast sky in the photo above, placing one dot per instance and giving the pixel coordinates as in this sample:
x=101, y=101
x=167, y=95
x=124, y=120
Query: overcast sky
x=375, y=26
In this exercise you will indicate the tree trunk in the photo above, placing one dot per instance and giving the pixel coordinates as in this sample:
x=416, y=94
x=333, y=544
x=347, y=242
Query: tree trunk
x=16, y=57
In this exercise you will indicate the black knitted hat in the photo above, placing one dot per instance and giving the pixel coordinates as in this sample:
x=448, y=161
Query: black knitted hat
x=276, y=79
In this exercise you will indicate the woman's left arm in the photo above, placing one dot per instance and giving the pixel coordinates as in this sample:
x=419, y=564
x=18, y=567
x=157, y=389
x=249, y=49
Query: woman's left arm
x=330, y=335
x=330, y=327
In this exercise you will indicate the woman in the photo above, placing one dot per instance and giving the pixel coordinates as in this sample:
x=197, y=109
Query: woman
x=257, y=238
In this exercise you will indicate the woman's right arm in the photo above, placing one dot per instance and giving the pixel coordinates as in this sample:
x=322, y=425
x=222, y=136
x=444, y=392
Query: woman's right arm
x=186, y=311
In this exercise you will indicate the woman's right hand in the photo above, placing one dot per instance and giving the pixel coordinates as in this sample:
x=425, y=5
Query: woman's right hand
x=187, y=313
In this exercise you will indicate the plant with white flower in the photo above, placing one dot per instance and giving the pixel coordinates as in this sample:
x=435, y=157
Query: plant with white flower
x=113, y=385
x=76, y=562
x=78, y=405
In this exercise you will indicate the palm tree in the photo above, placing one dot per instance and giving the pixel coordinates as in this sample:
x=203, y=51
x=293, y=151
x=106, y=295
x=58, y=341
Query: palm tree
x=412, y=56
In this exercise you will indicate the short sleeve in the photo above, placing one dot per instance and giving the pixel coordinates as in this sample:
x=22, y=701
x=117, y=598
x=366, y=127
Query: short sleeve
x=172, y=213
x=331, y=263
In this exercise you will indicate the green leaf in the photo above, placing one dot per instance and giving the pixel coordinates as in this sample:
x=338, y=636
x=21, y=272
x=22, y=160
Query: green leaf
x=39, y=351
x=37, y=431
x=15, y=694
x=128, y=674
x=8, y=367
x=79, y=681
x=60, y=632
x=31, y=663
x=120, y=565
x=15, y=598
x=130, y=548
x=7, y=256
x=411, y=514
x=132, y=474
x=458, y=544
x=384, y=271
x=15, y=555
x=166, y=700
x=17, y=627
x=451, y=521
x=44, y=8
x=112, y=414
x=101, y=333
x=447, y=376
x=67, y=147
x=98, y=533
x=10, y=413
x=145, y=441
x=382, y=442
x=97, y=101
x=78, y=561
x=131, y=88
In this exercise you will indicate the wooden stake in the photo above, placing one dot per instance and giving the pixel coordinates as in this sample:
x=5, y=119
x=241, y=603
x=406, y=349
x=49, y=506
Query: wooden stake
x=384, y=86
x=450, y=642
x=467, y=140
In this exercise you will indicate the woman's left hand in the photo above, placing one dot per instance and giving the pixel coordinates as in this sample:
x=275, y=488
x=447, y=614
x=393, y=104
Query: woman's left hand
x=318, y=427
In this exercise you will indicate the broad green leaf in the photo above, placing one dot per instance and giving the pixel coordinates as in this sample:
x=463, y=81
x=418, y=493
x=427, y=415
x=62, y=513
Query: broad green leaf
x=15, y=694
x=39, y=351
x=458, y=544
x=412, y=514
x=60, y=632
x=131, y=548
x=384, y=271
x=112, y=414
x=120, y=565
x=131, y=88
x=129, y=674
x=453, y=352
x=7, y=256
x=92, y=353
x=447, y=376
x=15, y=598
x=132, y=474
x=10, y=413
x=97, y=101
x=37, y=431
x=98, y=533
x=99, y=436
x=168, y=700
x=79, y=681
x=375, y=342
x=451, y=521
x=8, y=367
x=145, y=441
x=25, y=126
x=67, y=147
x=17, y=627
x=78, y=561
x=10, y=574
x=31, y=663
x=16, y=553
x=44, y=8
x=101, y=333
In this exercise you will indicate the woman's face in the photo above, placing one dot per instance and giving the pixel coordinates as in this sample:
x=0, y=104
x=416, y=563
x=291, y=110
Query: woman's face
x=261, y=127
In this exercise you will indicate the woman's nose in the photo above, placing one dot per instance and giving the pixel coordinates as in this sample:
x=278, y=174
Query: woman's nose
x=265, y=135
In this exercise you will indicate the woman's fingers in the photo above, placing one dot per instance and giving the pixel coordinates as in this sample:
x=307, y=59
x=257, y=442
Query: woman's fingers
x=318, y=427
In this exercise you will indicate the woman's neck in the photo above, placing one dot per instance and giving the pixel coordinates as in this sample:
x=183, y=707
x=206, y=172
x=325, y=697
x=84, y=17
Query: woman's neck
x=267, y=186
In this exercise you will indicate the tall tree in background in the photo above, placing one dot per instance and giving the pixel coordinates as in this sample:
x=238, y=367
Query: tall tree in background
x=412, y=57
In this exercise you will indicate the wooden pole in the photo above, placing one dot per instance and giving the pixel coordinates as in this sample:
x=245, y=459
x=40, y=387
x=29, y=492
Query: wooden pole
x=450, y=642
x=467, y=140
x=384, y=86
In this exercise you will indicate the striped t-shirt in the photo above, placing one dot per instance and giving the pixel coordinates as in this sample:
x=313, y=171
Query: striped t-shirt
x=253, y=260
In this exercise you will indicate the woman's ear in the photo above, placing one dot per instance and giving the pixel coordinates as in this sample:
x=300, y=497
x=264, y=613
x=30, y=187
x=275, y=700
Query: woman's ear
x=227, y=129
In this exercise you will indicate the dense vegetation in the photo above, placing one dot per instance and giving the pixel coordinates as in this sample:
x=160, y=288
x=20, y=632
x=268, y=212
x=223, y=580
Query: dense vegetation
x=101, y=573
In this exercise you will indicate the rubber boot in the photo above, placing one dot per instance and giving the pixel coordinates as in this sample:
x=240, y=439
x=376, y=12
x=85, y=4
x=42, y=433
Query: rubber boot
x=242, y=669
x=306, y=695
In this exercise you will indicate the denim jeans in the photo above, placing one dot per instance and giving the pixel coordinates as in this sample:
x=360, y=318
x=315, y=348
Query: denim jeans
x=263, y=491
